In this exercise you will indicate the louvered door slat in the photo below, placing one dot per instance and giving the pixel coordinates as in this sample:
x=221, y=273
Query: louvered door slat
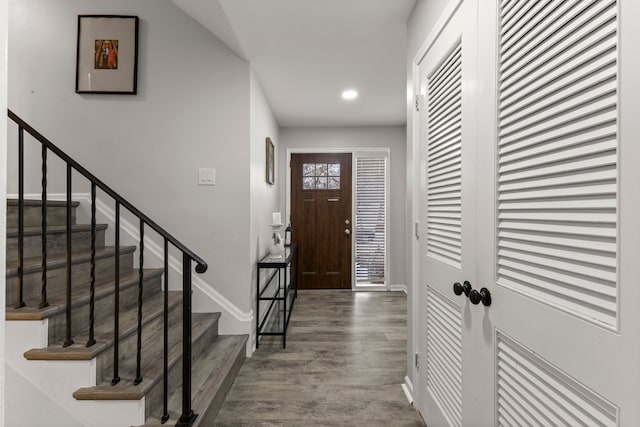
x=529, y=383
x=523, y=149
x=550, y=38
x=563, y=25
x=536, y=126
x=444, y=153
x=554, y=104
x=444, y=355
x=442, y=94
x=578, y=231
x=574, y=180
x=559, y=240
x=607, y=159
x=602, y=188
x=444, y=71
x=596, y=35
x=557, y=161
x=523, y=21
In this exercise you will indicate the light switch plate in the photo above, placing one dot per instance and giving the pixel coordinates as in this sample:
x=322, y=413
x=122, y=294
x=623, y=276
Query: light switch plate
x=206, y=176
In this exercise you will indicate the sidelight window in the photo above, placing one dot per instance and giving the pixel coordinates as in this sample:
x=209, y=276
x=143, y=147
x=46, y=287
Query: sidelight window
x=371, y=219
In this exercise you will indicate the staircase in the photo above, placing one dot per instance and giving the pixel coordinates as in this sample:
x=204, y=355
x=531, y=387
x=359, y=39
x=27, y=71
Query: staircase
x=134, y=342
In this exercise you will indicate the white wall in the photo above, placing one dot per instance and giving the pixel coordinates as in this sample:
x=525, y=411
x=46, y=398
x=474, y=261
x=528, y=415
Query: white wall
x=191, y=111
x=264, y=197
x=423, y=19
x=392, y=137
x=3, y=173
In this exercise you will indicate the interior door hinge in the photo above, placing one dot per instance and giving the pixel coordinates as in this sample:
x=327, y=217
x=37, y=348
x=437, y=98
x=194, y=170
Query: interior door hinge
x=416, y=360
x=417, y=102
x=417, y=230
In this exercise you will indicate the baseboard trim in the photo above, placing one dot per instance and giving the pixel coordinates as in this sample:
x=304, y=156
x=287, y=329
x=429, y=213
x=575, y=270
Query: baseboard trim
x=407, y=387
x=398, y=288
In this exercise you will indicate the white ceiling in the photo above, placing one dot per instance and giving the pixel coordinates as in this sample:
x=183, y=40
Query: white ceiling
x=306, y=52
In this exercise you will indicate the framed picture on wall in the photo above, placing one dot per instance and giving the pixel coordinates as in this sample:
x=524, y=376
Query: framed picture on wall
x=270, y=162
x=107, y=54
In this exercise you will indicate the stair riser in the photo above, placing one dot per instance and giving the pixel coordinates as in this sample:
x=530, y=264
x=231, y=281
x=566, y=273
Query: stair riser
x=103, y=312
x=56, y=215
x=56, y=243
x=155, y=397
x=151, y=349
x=57, y=278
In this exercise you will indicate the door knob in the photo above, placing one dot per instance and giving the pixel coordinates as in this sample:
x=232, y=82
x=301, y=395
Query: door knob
x=458, y=289
x=483, y=296
x=347, y=231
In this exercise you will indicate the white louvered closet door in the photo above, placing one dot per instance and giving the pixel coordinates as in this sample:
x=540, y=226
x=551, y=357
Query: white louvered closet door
x=559, y=221
x=451, y=391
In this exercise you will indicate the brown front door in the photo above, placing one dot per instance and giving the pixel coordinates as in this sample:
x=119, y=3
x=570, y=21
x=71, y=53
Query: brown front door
x=321, y=219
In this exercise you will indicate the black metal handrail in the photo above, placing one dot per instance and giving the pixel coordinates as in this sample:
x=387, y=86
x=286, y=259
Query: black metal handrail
x=187, y=416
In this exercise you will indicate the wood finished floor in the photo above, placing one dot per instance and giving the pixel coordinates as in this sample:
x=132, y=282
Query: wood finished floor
x=344, y=365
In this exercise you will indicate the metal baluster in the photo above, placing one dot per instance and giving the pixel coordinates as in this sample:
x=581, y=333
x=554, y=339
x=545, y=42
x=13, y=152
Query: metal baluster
x=165, y=386
x=20, y=294
x=43, y=293
x=187, y=417
x=68, y=341
x=116, y=301
x=138, y=379
x=92, y=285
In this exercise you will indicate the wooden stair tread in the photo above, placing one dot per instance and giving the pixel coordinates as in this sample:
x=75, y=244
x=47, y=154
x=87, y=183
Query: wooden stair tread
x=53, y=229
x=57, y=301
x=126, y=390
x=33, y=265
x=210, y=374
x=152, y=308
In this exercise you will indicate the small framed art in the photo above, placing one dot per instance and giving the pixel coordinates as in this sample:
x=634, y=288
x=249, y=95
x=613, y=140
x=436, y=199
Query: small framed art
x=270, y=162
x=107, y=54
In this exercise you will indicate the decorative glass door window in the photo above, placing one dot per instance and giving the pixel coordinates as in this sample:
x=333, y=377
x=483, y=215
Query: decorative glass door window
x=321, y=176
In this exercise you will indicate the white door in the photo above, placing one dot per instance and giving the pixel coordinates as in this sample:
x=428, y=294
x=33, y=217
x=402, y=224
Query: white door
x=556, y=236
x=450, y=330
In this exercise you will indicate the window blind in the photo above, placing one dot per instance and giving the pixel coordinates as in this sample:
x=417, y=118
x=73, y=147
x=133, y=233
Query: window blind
x=371, y=220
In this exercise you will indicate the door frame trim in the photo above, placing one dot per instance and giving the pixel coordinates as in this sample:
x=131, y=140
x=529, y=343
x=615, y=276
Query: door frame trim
x=353, y=151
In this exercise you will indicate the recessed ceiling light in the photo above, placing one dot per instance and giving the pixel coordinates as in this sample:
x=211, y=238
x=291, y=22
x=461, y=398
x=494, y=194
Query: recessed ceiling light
x=349, y=94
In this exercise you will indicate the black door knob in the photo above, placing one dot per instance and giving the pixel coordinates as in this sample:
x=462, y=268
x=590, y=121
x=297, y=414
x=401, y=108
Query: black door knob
x=467, y=287
x=483, y=296
x=458, y=289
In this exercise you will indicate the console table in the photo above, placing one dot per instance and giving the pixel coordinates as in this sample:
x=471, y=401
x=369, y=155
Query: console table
x=276, y=288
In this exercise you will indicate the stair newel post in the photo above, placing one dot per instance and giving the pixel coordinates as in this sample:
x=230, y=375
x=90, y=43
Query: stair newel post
x=43, y=298
x=92, y=286
x=20, y=294
x=68, y=340
x=138, y=379
x=165, y=335
x=188, y=416
x=116, y=300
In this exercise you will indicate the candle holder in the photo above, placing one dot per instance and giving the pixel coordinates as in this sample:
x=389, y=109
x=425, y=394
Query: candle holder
x=276, y=250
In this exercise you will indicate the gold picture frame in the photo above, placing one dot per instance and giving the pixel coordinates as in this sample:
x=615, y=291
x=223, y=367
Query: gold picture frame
x=271, y=170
